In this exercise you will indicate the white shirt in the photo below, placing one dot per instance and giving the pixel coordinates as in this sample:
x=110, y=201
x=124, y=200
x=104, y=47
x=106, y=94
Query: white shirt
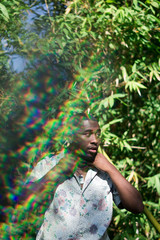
x=75, y=213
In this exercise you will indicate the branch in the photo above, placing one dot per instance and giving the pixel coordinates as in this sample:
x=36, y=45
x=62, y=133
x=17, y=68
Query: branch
x=136, y=147
x=49, y=14
x=152, y=219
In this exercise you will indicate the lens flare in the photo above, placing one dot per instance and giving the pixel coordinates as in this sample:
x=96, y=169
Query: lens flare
x=49, y=105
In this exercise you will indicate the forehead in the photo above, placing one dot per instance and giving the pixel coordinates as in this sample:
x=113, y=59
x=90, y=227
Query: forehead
x=89, y=125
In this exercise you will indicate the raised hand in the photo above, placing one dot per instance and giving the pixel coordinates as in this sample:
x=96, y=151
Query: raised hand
x=102, y=163
x=130, y=197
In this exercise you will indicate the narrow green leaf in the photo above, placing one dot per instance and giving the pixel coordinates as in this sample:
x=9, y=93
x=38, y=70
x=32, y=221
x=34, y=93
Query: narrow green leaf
x=135, y=3
x=134, y=67
x=128, y=146
x=118, y=95
x=143, y=77
x=124, y=74
x=4, y=12
x=154, y=4
x=154, y=182
x=156, y=75
x=111, y=101
x=140, y=85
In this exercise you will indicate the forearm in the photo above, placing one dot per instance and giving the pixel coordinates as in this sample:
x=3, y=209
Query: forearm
x=32, y=195
x=130, y=197
x=35, y=190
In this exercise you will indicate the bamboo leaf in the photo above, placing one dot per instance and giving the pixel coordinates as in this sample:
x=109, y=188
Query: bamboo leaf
x=155, y=4
x=124, y=74
x=157, y=75
x=134, y=67
x=4, y=12
x=154, y=182
x=140, y=85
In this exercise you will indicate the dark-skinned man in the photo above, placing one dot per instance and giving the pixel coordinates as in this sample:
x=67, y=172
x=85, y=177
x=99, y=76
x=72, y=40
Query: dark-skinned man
x=86, y=186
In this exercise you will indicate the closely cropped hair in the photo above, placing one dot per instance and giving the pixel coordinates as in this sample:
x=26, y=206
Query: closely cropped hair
x=72, y=113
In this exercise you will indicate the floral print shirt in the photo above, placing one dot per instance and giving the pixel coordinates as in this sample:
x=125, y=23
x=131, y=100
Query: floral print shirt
x=77, y=213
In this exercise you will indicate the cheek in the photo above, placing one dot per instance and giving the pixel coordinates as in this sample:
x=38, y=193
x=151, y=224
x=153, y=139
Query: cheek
x=82, y=142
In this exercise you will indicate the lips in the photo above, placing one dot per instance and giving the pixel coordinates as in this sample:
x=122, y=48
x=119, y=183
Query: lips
x=92, y=149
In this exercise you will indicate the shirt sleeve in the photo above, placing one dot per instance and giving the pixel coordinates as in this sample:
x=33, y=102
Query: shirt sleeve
x=116, y=197
x=43, y=167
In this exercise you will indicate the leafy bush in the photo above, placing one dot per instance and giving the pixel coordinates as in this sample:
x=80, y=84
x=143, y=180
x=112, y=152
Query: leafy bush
x=105, y=52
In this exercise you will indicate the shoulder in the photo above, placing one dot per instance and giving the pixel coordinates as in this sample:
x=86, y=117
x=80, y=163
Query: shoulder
x=44, y=166
x=104, y=176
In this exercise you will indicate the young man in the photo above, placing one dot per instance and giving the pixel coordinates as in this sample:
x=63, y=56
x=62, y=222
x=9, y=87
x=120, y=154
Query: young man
x=87, y=184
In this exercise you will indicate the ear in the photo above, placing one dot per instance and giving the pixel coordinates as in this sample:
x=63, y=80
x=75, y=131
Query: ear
x=68, y=142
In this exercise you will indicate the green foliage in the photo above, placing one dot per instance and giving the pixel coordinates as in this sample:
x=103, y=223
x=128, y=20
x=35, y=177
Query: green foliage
x=4, y=12
x=103, y=51
x=154, y=182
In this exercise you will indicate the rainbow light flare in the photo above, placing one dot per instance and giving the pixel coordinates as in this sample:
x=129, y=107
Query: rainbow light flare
x=43, y=137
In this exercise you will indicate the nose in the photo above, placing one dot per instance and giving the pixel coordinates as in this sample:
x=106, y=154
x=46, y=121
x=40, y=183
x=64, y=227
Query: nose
x=94, y=138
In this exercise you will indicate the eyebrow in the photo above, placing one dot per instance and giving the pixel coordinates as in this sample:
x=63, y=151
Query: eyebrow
x=90, y=130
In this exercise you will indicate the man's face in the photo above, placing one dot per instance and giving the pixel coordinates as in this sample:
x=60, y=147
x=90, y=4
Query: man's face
x=87, y=139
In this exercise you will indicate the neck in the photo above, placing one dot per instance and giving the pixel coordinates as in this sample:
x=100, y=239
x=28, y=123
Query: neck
x=83, y=168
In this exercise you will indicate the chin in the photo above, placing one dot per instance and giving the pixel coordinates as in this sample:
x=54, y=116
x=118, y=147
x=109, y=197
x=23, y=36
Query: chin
x=88, y=158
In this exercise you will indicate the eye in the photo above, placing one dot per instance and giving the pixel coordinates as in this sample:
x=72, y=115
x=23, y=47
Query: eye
x=98, y=134
x=87, y=134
